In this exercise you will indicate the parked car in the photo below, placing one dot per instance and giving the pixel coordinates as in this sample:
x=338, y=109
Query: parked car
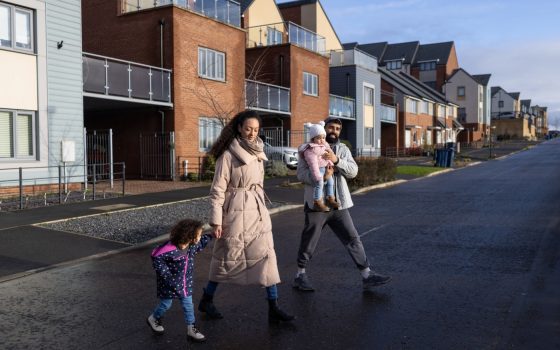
x=289, y=155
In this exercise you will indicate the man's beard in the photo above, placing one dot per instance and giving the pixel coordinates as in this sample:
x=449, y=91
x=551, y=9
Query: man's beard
x=332, y=138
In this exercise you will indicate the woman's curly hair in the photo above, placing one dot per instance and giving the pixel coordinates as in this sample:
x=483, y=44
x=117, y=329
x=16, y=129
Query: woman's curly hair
x=231, y=131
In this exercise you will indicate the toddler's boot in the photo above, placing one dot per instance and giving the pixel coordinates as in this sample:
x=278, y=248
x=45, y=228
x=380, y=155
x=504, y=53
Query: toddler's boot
x=275, y=314
x=206, y=305
x=155, y=324
x=318, y=205
x=194, y=334
x=331, y=202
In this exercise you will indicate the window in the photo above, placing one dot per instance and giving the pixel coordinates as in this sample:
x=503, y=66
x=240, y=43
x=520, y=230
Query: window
x=428, y=65
x=211, y=64
x=368, y=96
x=441, y=111
x=501, y=104
x=208, y=131
x=17, y=134
x=397, y=64
x=274, y=37
x=411, y=106
x=16, y=28
x=368, y=136
x=424, y=107
x=460, y=92
x=310, y=84
x=462, y=114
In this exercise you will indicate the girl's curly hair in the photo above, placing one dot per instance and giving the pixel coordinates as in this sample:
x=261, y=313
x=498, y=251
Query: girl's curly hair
x=184, y=232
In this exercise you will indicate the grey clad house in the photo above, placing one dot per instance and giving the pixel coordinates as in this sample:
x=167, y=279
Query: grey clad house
x=354, y=76
x=41, y=108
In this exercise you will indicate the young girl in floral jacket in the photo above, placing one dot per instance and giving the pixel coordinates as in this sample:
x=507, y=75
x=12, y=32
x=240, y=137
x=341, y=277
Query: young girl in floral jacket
x=174, y=265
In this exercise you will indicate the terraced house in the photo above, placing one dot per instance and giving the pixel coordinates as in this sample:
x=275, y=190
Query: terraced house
x=472, y=94
x=163, y=76
x=41, y=112
x=287, y=48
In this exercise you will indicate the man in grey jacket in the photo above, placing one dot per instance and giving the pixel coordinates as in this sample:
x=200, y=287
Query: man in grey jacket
x=339, y=220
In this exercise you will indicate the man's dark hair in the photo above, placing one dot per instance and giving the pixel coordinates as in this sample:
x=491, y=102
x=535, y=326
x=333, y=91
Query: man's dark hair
x=333, y=120
x=184, y=232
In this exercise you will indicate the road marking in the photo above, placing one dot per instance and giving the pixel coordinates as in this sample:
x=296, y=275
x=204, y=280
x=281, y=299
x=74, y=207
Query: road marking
x=372, y=230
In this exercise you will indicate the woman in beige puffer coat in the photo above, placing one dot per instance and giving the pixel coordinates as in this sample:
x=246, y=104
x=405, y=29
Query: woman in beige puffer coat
x=244, y=249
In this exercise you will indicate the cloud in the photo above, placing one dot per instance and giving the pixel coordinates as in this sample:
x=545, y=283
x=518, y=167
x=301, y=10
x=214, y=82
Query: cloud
x=530, y=68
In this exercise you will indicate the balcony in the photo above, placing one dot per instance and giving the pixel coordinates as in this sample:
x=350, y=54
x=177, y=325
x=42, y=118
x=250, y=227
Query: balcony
x=283, y=33
x=116, y=79
x=353, y=57
x=388, y=114
x=342, y=107
x=267, y=97
x=226, y=11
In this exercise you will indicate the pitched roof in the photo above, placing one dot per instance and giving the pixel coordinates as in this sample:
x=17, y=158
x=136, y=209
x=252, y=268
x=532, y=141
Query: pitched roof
x=411, y=86
x=494, y=90
x=406, y=51
x=526, y=103
x=482, y=79
x=375, y=49
x=514, y=95
x=245, y=4
x=434, y=52
x=295, y=3
x=349, y=46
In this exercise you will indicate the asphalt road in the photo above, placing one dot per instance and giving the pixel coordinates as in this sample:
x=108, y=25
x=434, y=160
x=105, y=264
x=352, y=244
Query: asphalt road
x=474, y=256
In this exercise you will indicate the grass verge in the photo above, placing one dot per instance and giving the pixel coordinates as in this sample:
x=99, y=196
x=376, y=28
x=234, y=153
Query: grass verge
x=416, y=170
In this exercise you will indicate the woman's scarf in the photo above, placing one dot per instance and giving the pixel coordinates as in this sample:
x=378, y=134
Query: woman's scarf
x=255, y=148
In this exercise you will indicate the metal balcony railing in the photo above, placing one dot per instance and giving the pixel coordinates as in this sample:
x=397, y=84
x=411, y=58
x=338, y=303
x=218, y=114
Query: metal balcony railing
x=353, y=57
x=267, y=97
x=226, y=11
x=283, y=33
x=388, y=114
x=125, y=80
x=342, y=107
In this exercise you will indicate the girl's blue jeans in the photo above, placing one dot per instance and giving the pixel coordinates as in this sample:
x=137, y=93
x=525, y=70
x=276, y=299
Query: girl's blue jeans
x=187, y=304
x=328, y=185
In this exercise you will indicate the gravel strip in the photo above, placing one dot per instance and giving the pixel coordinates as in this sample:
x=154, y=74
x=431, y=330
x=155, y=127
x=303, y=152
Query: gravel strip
x=137, y=225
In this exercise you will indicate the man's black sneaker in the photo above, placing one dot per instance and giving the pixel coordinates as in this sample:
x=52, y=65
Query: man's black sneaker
x=301, y=282
x=374, y=280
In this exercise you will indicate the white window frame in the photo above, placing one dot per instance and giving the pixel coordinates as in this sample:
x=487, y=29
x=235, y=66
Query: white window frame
x=14, y=134
x=424, y=107
x=13, y=28
x=411, y=106
x=211, y=64
x=208, y=131
x=394, y=64
x=461, y=92
x=368, y=96
x=310, y=84
x=427, y=66
x=369, y=137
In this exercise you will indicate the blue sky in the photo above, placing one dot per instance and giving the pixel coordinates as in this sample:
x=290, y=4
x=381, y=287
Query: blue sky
x=516, y=41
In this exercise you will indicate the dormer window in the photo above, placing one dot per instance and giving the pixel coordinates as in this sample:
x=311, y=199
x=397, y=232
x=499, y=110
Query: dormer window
x=429, y=65
x=396, y=64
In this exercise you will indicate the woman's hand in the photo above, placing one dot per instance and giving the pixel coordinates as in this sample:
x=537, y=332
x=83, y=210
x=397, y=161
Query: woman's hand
x=217, y=231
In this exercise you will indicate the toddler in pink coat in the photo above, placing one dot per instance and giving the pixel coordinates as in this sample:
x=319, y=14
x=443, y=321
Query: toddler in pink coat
x=313, y=152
